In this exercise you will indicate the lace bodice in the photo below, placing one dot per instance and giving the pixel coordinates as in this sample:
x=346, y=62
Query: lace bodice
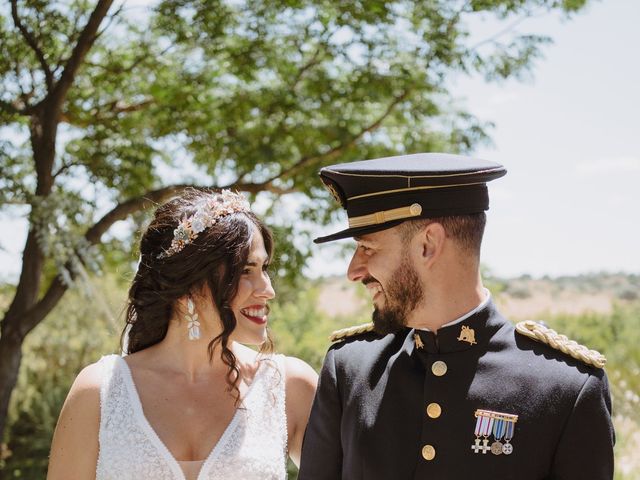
x=253, y=447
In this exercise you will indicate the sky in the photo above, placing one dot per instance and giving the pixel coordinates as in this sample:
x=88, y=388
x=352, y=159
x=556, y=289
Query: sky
x=570, y=140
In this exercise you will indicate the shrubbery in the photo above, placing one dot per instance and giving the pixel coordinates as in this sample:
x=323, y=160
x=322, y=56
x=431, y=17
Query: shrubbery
x=79, y=331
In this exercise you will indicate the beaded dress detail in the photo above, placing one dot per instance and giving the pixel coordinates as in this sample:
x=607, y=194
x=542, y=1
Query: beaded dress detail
x=253, y=446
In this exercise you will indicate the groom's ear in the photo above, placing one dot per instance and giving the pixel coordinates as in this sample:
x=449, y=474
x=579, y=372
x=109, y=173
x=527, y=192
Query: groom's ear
x=431, y=239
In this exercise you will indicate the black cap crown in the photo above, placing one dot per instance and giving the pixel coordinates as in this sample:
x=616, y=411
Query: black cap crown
x=382, y=193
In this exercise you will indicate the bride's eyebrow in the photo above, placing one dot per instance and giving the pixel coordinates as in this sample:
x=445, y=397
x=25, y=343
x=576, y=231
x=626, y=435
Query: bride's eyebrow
x=254, y=262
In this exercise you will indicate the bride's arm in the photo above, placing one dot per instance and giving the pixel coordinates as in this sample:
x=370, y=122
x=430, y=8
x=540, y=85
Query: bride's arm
x=74, y=450
x=300, y=390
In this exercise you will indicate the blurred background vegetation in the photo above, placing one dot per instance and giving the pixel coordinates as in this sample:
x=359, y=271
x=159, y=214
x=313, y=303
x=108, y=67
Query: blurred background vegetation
x=88, y=322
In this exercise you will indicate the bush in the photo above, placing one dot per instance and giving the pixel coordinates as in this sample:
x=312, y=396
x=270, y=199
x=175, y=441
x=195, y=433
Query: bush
x=617, y=336
x=78, y=332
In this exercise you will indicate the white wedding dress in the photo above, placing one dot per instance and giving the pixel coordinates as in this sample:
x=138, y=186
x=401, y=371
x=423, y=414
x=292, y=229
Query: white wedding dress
x=253, y=447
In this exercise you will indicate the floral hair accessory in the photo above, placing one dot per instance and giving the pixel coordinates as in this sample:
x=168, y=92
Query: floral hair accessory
x=207, y=214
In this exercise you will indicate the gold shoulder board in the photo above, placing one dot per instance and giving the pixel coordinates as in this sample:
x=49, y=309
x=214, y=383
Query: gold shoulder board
x=552, y=338
x=350, y=331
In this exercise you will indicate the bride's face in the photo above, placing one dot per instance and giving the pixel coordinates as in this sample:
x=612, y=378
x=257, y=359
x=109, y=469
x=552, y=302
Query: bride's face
x=254, y=291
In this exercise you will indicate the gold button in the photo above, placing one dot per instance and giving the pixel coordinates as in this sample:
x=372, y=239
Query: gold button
x=434, y=410
x=415, y=209
x=428, y=452
x=439, y=368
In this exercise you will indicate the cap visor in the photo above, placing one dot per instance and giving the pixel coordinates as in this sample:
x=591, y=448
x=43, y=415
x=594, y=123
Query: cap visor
x=356, y=232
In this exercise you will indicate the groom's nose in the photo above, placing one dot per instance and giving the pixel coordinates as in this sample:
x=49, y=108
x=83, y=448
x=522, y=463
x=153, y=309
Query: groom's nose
x=357, y=267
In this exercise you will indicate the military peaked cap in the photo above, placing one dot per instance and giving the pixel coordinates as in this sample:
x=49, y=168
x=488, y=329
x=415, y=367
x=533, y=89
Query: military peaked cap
x=382, y=193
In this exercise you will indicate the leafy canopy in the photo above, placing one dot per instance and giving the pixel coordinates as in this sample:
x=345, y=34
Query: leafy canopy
x=254, y=95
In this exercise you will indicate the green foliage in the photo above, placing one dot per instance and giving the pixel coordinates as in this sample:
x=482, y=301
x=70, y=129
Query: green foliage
x=78, y=332
x=617, y=336
x=256, y=95
x=300, y=328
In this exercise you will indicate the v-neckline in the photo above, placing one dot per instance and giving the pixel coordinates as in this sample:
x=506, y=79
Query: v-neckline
x=157, y=441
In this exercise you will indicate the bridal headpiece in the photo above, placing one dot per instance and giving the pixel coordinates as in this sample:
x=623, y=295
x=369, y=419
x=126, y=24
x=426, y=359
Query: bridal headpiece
x=208, y=212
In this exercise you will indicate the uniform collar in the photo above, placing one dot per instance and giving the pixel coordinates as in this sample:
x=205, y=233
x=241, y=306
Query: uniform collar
x=483, y=304
x=473, y=330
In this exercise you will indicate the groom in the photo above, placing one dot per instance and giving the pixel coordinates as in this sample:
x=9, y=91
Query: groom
x=445, y=388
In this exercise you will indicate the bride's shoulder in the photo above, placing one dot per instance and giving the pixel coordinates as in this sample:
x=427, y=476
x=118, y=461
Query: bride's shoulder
x=299, y=374
x=86, y=387
x=84, y=394
x=300, y=388
x=90, y=377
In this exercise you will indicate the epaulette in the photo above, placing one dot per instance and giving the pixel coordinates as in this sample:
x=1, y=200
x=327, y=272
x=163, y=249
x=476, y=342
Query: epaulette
x=350, y=331
x=560, y=342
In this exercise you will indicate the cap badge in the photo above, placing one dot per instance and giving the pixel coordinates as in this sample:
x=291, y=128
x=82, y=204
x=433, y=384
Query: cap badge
x=334, y=193
x=500, y=425
x=418, y=340
x=467, y=335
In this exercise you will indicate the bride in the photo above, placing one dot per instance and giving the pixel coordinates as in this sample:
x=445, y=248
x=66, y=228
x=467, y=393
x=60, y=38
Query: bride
x=190, y=401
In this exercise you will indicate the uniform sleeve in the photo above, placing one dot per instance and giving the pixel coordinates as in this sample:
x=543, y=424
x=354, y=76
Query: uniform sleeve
x=586, y=446
x=321, y=448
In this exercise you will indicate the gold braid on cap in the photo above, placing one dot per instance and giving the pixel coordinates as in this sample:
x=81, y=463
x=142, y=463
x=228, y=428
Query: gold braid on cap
x=552, y=338
x=350, y=331
x=207, y=214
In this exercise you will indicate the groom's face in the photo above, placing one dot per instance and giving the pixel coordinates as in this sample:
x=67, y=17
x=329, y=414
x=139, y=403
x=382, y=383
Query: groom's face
x=382, y=263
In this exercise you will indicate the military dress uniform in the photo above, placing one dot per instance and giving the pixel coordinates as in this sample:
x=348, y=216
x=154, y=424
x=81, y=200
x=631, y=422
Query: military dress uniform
x=407, y=407
x=480, y=399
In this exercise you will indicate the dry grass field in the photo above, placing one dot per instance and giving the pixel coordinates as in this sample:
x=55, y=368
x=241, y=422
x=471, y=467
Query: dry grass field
x=518, y=299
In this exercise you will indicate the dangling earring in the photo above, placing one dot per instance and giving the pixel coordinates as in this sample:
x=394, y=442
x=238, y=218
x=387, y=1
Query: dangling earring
x=193, y=325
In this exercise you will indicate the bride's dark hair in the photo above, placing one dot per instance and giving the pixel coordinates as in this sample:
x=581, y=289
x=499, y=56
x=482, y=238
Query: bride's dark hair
x=215, y=259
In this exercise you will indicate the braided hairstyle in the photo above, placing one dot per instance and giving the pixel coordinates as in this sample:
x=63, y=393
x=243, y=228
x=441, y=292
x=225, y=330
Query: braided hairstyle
x=215, y=259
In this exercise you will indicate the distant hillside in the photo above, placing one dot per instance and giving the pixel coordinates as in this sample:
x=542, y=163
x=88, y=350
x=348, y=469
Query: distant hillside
x=518, y=298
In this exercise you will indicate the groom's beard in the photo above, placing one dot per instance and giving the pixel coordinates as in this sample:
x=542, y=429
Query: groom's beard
x=403, y=294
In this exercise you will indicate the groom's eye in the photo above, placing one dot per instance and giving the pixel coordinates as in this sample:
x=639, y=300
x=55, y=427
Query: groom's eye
x=365, y=249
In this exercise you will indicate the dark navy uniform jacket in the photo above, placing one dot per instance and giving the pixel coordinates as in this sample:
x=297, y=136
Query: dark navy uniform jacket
x=369, y=419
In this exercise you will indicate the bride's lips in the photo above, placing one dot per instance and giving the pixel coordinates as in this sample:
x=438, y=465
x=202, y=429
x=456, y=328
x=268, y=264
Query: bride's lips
x=256, y=313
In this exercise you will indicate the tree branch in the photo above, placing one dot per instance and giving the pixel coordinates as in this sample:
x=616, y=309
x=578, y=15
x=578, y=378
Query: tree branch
x=290, y=88
x=133, y=205
x=111, y=19
x=111, y=109
x=337, y=150
x=85, y=41
x=258, y=187
x=31, y=41
x=137, y=61
x=9, y=108
x=508, y=29
x=41, y=309
x=64, y=168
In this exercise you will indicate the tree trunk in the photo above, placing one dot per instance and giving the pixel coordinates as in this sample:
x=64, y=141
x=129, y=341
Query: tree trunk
x=26, y=310
x=10, y=358
x=13, y=328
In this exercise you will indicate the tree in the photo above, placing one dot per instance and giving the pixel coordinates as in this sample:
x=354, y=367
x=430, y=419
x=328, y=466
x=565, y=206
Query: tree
x=106, y=110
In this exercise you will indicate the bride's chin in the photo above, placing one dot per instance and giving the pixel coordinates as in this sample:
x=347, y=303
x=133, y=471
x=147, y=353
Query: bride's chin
x=249, y=338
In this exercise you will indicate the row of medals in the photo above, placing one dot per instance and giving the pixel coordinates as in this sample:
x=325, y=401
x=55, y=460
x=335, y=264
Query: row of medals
x=497, y=447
